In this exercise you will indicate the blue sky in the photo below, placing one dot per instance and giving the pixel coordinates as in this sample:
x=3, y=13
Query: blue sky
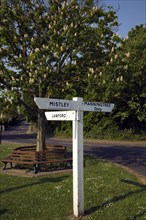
x=130, y=14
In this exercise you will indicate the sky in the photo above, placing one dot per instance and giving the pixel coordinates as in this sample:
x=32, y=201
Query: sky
x=130, y=14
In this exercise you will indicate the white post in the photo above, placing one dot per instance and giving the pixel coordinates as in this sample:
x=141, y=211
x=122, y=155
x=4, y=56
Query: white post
x=78, y=183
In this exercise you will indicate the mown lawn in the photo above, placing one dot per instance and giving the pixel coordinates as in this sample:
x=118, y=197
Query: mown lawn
x=111, y=193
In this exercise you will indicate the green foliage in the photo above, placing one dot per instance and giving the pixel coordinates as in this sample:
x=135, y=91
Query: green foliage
x=6, y=114
x=102, y=128
x=131, y=88
x=63, y=129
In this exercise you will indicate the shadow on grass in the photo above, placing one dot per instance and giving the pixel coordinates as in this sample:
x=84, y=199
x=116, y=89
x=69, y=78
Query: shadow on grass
x=115, y=199
x=137, y=215
x=91, y=159
x=134, y=183
x=41, y=181
x=3, y=211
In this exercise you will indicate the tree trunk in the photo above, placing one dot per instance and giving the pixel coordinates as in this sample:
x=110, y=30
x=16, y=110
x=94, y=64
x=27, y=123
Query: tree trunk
x=41, y=134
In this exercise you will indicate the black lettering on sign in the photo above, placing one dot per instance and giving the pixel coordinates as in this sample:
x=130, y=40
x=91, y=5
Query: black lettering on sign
x=59, y=116
x=97, y=104
x=51, y=103
x=97, y=109
x=66, y=104
x=59, y=104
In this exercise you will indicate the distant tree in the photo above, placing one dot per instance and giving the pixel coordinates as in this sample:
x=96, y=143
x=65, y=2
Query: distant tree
x=50, y=48
x=126, y=74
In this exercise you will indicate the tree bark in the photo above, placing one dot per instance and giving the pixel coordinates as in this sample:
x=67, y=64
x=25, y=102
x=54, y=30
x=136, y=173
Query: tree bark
x=41, y=134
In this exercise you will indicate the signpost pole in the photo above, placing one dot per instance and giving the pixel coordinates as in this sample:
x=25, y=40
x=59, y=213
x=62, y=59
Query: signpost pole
x=0, y=133
x=78, y=186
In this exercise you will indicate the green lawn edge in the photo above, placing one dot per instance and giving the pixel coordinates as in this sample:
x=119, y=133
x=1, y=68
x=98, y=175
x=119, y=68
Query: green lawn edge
x=111, y=193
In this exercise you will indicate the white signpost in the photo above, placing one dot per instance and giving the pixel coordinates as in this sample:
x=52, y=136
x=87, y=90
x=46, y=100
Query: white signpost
x=74, y=112
x=78, y=174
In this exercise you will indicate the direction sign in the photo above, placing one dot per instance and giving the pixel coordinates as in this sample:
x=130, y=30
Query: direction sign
x=97, y=106
x=61, y=116
x=56, y=104
x=62, y=104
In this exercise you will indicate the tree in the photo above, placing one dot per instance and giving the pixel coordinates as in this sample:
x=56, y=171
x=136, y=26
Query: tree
x=46, y=51
x=127, y=76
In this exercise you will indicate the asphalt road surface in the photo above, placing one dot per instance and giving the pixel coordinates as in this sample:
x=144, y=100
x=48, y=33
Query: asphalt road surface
x=132, y=155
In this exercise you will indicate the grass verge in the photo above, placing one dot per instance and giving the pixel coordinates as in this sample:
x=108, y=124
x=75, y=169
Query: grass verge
x=111, y=193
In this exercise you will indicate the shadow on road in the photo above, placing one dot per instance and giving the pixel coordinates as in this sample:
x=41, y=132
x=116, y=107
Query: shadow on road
x=18, y=136
x=121, y=154
x=133, y=158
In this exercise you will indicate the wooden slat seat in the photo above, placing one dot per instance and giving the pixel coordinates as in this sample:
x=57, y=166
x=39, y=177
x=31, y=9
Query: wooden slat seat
x=52, y=155
x=19, y=157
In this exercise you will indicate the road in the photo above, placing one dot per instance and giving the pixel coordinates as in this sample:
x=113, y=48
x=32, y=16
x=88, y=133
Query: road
x=129, y=154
